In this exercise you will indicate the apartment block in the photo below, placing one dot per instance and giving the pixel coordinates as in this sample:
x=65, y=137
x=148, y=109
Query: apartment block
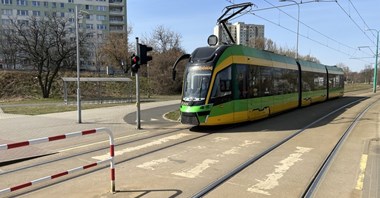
x=243, y=34
x=103, y=16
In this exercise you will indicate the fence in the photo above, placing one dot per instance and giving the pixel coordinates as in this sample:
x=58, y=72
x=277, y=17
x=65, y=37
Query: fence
x=61, y=137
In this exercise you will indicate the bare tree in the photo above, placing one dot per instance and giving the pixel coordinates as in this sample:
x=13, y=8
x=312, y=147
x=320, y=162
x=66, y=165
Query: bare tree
x=46, y=43
x=8, y=50
x=116, y=50
x=166, y=49
x=163, y=39
x=346, y=71
x=367, y=73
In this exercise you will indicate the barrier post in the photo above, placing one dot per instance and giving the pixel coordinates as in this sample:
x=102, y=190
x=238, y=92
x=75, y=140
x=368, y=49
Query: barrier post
x=61, y=137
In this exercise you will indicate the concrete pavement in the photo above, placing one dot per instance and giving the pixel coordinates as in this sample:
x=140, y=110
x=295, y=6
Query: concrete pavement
x=15, y=128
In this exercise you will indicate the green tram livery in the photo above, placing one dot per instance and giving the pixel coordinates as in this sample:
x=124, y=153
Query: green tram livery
x=232, y=83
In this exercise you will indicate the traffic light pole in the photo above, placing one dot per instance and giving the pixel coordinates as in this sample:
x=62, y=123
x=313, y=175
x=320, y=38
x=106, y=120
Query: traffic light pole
x=138, y=123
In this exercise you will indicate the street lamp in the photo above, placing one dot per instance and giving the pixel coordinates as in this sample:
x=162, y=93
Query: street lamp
x=298, y=22
x=376, y=57
x=78, y=65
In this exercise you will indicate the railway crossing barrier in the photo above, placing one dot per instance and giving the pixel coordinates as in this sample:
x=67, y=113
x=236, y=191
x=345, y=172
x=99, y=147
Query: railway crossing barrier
x=61, y=137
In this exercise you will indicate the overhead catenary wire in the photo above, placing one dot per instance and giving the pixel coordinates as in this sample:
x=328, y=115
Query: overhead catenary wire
x=361, y=17
x=313, y=29
x=356, y=24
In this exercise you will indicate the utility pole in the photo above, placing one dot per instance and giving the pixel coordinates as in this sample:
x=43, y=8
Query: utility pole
x=138, y=122
x=375, y=70
x=376, y=59
x=78, y=66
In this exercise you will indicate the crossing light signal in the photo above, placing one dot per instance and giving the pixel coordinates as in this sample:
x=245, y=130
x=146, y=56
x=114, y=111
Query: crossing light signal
x=143, y=53
x=135, y=63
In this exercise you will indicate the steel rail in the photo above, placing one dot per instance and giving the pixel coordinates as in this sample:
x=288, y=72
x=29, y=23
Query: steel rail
x=316, y=181
x=252, y=160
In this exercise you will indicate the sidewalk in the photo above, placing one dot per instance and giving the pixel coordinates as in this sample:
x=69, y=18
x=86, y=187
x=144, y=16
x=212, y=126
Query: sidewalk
x=15, y=128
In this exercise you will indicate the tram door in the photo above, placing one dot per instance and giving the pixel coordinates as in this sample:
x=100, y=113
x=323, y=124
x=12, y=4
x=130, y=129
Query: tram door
x=257, y=90
x=240, y=92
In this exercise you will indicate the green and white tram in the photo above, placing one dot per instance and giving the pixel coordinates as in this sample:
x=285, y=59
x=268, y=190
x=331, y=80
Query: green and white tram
x=233, y=83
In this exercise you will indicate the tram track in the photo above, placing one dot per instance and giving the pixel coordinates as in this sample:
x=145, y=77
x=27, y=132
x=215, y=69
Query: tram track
x=136, y=156
x=106, y=148
x=215, y=184
x=313, y=186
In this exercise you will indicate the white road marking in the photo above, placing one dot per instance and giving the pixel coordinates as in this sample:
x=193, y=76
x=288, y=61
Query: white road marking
x=197, y=170
x=272, y=179
x=150, y=144
x=87, y=145
x=152, y=164
x=220, y=139
x=153, y=119
x=235, y=150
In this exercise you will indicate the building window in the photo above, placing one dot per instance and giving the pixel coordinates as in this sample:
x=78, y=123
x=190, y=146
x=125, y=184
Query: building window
x=6, y=2
x=101, y=27
x=100, y=17
x=70, y=1
x=6, y=21
x=90, y=26
x=54, y=5
x=20, y=22
x=45, y=4
x=7, y=12
x=62, y=14
x=22, y=12
x=71, y=10
x=36, y=13
x=101, y=8
x=35, y=3
x=89, y=7
x=62, y=5
x=22, y=2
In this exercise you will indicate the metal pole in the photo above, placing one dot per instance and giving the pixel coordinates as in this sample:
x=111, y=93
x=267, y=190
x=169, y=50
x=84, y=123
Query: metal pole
x=138, y=123
x=298, y=28
x=78, y=65
x=298, y=23
x=375, y=70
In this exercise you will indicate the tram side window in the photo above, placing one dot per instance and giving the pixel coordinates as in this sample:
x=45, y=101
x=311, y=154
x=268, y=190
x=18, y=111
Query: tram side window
x=278, y=81
x=290, y=81
x=319, y=81
x=242, y=82
x=266, y=81
x=335, y=81
x=307, y=81
x=332, y=81
x=222, y=89
x=254, y=81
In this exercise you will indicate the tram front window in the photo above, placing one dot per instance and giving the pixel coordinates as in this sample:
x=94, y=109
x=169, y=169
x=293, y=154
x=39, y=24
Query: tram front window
x=196, y=85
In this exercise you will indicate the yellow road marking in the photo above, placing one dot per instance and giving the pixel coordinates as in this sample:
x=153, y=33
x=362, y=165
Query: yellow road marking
x=363, y=165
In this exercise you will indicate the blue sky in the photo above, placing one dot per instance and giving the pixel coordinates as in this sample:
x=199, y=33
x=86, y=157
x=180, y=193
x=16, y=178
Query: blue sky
x=333, y=33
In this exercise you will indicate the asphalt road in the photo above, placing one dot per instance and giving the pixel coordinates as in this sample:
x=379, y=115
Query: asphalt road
x=153, y=116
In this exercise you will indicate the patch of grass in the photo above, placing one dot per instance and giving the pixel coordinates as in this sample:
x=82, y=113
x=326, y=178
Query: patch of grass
x=174, y=115
x=357, y=87
x=50, y=108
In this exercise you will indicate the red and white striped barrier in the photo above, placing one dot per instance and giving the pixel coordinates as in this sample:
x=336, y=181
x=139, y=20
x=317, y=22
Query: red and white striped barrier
x=61, y=137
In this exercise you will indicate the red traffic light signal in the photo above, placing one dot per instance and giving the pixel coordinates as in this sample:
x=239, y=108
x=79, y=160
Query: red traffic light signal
x=143, y=53
x=135, y=63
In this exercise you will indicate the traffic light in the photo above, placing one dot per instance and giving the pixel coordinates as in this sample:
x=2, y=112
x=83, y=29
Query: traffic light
x=143, y=53
x=135, y=63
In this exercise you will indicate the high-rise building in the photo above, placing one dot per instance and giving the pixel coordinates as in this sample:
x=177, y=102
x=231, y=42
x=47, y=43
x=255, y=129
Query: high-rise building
x=103, y=16
x=243, y=34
